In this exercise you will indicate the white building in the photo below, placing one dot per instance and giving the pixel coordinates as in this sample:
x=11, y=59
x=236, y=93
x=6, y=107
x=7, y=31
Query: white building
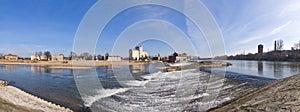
x=59, y=57
x=11, y=57
x=175, y=58
x=181, y=58
x=34, y=57
x=114, y=58
x=137, y=53
x=39, y=58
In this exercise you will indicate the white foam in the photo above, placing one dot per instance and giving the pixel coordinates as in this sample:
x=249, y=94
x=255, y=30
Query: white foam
x=180, y=64
x=167, y=91
x=175, y=82
x=150, y=76
x=135, y=83
x=89, y=100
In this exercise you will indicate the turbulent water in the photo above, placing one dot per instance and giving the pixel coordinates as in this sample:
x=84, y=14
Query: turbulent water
x=187, y=90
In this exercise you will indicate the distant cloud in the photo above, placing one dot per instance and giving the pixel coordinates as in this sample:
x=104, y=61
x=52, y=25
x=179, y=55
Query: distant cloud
x=273, y=32
x=291, y=9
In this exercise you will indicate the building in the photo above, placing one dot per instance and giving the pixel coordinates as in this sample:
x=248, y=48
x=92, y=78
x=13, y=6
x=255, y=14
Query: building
x=260, y=49
x=59, y=57
x=39, y=58
x=158, y=57
x=11, y=57
x=181, y=58
x=138, y=53
x=178, y=58
x=34, y=57
x=114, y=58
x=139, y=69
x=165, y=59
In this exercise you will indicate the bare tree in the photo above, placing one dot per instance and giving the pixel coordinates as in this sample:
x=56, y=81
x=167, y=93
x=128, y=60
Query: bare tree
x=106, y=56
x=72, y=55
x=1, y=56
x=297, y=45
x=279, y=44
x=48, y=55
x=100, y=57
x=86, y=56
x=39, y=54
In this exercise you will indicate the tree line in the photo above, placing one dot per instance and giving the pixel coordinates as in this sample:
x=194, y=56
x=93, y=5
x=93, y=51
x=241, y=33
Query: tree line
x=87, y=56
x=278, y=54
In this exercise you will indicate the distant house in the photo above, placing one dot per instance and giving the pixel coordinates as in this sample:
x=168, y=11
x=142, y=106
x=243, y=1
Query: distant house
x=11, y=57
x=157, y=57
x=138, y=53
x=165, y=59
x=178, y=58
x=181, y=58
x=34, y=57
x=114, y=58
x=39, y=58
x=59, y=57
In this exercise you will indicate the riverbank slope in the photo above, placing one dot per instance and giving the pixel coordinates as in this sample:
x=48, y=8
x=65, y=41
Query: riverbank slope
x=13, y=99
x=282, y=95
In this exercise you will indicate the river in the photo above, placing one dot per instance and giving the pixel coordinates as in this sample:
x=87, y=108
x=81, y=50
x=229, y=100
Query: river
x=269, y=69
x=150, y=89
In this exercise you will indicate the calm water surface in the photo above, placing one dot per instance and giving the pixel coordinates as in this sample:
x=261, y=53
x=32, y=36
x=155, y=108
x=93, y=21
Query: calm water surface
x=270, y=69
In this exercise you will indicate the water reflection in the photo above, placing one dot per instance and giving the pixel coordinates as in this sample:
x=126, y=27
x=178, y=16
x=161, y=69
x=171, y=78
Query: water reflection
x=278, y=69
x=40, y=69
x=295, y=67
x=260, y=67
x=269, y=69
x=108, y=69
x=139, y=69
x=47, y=70
x=10, y=67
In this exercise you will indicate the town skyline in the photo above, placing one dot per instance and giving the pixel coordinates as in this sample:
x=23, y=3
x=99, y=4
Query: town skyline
x=32, y=26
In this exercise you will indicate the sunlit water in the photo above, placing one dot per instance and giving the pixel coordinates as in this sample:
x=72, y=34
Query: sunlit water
x=270, y=69
x=151, y=89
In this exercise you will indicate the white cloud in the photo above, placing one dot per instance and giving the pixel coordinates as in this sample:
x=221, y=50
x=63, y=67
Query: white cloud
x=280, y=28
x=248, y=23
x=291, y=9
x=261, y=36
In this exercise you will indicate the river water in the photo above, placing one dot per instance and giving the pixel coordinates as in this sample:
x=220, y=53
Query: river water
x=150, y=89
x=270, y=69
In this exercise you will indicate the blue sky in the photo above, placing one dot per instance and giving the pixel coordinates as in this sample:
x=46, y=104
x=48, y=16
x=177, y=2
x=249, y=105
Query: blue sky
x=27, y=26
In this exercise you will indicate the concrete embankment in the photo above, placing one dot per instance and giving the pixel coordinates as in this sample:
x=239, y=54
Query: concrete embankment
x=13, y=99
x=280, y=96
